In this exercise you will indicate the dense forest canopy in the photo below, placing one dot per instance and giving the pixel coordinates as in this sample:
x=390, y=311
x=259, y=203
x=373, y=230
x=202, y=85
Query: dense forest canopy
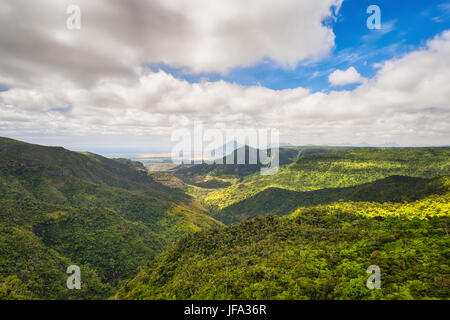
x=225, y=231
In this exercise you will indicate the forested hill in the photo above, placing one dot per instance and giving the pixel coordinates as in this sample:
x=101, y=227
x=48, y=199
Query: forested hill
x=337, y=168
x=343, y=210
x=228, y=167
x=278, y=201
x=318, y=252
x=59, y=162
x=107, y=216
x=353, y=208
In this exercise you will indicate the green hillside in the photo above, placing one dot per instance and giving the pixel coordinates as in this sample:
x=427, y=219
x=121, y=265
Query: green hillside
x=107, y=215
x=52, y=162
x=140, y=235
x=352, y=208
x=31, y=270
x=316, y=253
x=96, y=238
x=278, y=201
x=337, y=169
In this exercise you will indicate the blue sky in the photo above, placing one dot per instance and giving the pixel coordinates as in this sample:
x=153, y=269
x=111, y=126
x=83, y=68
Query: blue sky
x=406, y=26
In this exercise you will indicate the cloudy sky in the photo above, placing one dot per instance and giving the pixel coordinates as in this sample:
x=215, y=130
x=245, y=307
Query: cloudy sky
x=137, y=70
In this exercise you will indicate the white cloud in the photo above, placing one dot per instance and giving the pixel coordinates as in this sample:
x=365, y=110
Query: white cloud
x=343, y=77
x=117, y=36
x=375, y=34
x=407, y=102
x=92, y=84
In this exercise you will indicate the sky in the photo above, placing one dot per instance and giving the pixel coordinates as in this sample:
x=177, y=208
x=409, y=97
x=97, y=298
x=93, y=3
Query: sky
x=138, y=70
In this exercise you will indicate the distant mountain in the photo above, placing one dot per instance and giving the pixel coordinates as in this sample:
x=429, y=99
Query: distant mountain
x=390, y=145
x=195, y=174
x=227, y=148
x=365, y=144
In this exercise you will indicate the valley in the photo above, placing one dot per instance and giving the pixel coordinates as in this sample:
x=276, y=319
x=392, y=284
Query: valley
x=213, y=231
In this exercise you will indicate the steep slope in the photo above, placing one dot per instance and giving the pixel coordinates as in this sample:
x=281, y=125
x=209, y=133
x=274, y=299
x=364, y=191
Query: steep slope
x=106, y=215
x=31, y=270
x=96, y=239
x=170, y=219
x=316, y=253
x=59, y=162
x=278, y=201
x=69, y=178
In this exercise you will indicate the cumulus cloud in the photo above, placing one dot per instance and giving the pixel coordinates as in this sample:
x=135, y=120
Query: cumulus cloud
x=343, y=77
x=117, y=36
x=407, y=102
x=95, y=83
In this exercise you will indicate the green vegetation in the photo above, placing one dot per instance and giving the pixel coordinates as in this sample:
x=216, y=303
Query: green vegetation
x=55, y=163
x=316, y=253
x=277, y=201
x=69, y=204
x=141, y=235
x=356, y=207
x=31, y=270
x=337, y=169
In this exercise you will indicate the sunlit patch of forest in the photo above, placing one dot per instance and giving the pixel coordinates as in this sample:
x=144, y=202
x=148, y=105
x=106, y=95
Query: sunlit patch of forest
x=317, y=252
